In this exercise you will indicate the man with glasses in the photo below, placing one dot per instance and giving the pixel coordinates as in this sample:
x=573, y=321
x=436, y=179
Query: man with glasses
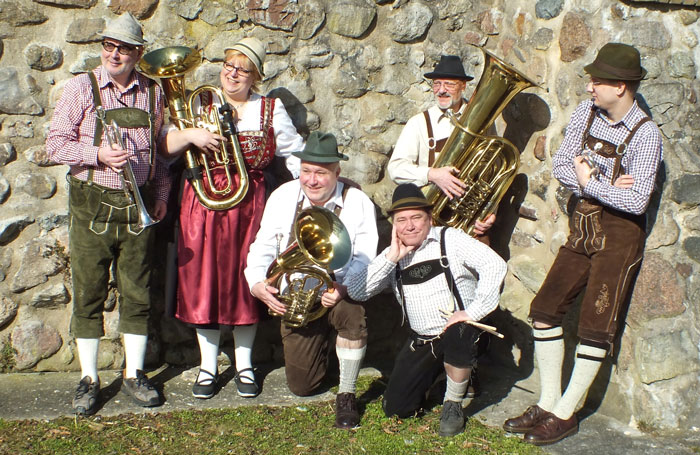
x=104, y=227
x=423, y=138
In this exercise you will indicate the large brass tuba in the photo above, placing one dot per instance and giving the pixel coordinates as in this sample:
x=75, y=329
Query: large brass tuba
x=322, y=244
x=487, y=164
x=170, y=64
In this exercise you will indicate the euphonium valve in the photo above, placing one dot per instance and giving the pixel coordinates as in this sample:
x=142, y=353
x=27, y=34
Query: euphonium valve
x=487, y=164
x=170, y=64
x=322, y=244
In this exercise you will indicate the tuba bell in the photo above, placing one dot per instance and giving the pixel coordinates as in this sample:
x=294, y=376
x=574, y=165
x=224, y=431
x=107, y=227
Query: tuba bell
x=322, y=244
x=170, y=64
x=487, y=164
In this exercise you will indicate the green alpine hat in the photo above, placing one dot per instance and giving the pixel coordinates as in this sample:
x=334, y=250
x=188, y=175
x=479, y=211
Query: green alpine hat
x=321, y=148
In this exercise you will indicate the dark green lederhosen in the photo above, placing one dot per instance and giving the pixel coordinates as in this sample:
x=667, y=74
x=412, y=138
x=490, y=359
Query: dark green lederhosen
x=104, y=229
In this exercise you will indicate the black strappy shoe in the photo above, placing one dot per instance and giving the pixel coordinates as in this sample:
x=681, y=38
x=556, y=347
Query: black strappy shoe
x=205, y=388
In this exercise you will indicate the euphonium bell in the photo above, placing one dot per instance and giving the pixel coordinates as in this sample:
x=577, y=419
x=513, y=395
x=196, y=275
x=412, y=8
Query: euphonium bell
x=322, y=244
x=487, y=164
x=170, y=64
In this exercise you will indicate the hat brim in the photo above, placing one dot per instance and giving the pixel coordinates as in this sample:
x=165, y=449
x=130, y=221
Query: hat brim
x=594, y=71
x=313, y=158
x=409, y=203
x=124, y=38
x=444, y=75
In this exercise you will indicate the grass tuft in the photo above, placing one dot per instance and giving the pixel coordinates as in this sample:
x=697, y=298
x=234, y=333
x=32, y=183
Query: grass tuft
x=306, y=429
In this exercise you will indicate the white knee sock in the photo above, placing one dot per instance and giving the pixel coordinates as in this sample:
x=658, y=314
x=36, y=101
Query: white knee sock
x=208, y=340
x=586, y=366
x=135, y=353
x=549, y=351
x=87, y=355
x=243, y=339
x=350, y=361
x=455, y=390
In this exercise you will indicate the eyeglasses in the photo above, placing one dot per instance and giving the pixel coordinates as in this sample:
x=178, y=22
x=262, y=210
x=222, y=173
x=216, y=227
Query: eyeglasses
x=241, y=71
x=123, y=49
x=449, y=85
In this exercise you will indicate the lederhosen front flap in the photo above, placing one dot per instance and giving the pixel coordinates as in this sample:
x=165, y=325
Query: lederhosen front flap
x=126, y=117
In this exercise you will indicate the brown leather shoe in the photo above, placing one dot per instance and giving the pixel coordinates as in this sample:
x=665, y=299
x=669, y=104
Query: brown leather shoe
x=551, y=430
x=527, y=420
x=347, y=416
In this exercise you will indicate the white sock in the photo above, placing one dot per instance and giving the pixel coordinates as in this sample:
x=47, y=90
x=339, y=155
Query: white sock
x=350, y=361
x=87, y=355
x=455, y=390
x=208, y=340
x=586, y=366
x=243, y=339
x=549, y=351
x=135, y=353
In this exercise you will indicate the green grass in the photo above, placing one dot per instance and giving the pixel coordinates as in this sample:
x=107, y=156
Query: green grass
x=306, y=429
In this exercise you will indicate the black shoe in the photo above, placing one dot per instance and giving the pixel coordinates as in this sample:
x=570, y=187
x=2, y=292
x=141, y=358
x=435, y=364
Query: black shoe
x=205, y=388
x=247, y=387
x=474, y=388
x=452, y=419
x=347, y=416
x=140, y=390
x=86, y=397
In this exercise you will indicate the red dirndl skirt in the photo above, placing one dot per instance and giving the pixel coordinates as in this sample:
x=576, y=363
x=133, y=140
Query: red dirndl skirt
x=212, y=251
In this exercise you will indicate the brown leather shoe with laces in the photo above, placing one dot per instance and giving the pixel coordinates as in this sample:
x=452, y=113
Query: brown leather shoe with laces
x=347, y=416
x=551, y=430
x=527, y=420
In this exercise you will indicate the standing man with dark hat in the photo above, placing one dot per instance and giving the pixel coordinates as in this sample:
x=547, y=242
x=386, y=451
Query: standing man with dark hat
x=425, y=134
x=609, y=159
x=445, y=281
x=306, y=348
x=104, y=228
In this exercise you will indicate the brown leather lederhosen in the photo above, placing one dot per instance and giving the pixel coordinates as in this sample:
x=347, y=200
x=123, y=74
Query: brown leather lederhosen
x=602, y=254
x=436, y=147
x=306, y=348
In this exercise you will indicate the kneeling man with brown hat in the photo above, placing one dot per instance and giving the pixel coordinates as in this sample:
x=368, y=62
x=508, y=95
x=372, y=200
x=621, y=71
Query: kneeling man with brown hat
x=445, y=280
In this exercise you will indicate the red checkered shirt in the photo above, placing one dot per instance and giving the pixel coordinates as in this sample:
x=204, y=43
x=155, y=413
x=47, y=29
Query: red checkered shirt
x=71, y=135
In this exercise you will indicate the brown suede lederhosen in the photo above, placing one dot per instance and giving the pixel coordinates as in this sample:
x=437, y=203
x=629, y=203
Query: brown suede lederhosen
x=602, y=254
x=436, y=147
x=306, y=348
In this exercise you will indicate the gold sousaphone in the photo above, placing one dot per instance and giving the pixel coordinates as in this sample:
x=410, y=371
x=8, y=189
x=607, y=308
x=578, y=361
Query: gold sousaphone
x=170, y=64
x=487, y=164
x=322, y=244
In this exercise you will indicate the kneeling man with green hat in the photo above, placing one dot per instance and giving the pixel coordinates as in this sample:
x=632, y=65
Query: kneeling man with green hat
x=306, y=348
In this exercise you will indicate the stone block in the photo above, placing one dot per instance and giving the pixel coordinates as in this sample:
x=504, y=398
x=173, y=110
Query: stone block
x=662, y=355
x=658, y=291
x=33, y=340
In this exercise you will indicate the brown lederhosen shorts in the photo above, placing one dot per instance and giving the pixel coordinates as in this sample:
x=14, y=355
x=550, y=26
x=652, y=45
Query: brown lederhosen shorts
x=602, y=254
x=306, y=348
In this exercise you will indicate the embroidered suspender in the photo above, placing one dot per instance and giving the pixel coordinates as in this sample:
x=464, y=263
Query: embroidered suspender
x=445, y=268
x=97, y=135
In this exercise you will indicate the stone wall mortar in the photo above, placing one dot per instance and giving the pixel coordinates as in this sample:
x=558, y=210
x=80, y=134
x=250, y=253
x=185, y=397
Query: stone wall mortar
x=344, y=70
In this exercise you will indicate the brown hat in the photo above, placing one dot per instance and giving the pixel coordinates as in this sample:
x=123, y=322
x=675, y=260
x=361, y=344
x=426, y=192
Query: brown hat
x=408, y=196
x=618, y=62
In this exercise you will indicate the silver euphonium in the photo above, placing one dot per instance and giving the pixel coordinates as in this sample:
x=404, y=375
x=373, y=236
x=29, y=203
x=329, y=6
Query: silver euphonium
x=126, y=174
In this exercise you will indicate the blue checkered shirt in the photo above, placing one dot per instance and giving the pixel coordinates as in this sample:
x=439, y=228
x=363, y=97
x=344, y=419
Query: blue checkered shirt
x=641, y=159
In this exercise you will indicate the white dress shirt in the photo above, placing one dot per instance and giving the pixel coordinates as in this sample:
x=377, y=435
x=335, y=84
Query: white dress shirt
x=357, y=215
x=409, y=161
x=477, y=270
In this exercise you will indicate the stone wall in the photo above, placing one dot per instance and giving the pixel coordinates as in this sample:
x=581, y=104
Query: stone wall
x=354, y=67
